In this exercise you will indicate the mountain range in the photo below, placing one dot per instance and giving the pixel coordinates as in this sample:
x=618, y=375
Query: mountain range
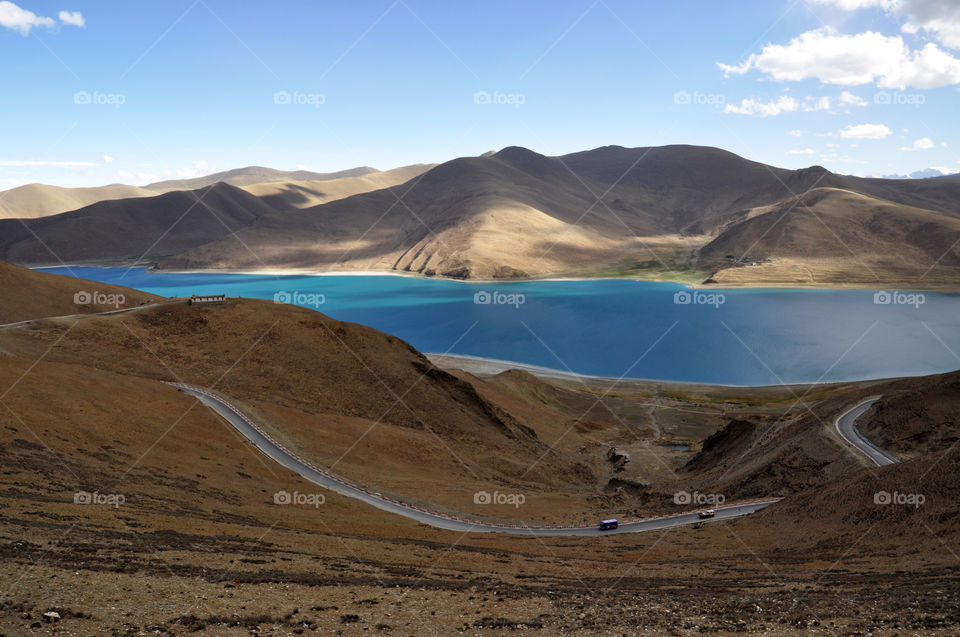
x=691, y=213
x=42, y=200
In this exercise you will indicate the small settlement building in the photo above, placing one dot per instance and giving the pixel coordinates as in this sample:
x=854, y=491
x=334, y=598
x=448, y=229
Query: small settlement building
x=208, y=299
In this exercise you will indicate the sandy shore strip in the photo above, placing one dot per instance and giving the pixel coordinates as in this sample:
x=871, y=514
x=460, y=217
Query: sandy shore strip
x=714, y=287
x=410, y=275
x=726, y=286
x=731, y=286
x=489, y=366
x=480, y=366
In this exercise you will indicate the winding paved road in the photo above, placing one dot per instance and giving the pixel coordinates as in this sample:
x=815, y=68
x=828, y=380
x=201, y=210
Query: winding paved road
x=846, y=424
x=325, y=479
x=121, y=310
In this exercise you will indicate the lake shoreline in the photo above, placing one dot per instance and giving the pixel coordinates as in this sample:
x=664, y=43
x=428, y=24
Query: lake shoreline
x=288, y=272
x=551, y=279
x=483, y=366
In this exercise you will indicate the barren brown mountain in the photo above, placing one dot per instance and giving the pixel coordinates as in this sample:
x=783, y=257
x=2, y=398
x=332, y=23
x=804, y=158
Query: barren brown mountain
x=294, y=194
x=309, y=372
x=254, y=175
x=641, y=211
x=284, y=189
x=684, y=213
x=830, y=236
x=131, y=230
x=41, y=200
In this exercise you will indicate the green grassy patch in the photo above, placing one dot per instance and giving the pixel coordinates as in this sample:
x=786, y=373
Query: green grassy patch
x=631, y=268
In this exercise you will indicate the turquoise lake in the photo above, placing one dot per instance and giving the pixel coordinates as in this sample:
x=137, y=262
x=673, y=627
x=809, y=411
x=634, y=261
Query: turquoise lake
x=617, y=328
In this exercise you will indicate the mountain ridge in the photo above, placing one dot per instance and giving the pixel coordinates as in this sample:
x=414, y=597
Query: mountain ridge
x=650, y=212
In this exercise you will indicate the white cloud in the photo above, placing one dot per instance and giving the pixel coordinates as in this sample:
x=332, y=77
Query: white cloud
x=933, y=171
x=853, y=5
x=924, y=143
x=107, y=159
x=786, y=104
x=138, y=178
x=22, y=20
x=17, y=19
x=751, y=106
x=75, y=18
x=795, y=133
x=198, y=167
x=865, y=131
x=838, y=158
x=802, y=151
x=42, y=162
x=849, y=99
x=940, y=18
x=811, y=104
x=852, y=60
x=142, y=177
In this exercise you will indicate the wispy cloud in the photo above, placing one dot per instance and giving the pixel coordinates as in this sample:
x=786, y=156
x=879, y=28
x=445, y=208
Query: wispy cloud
x=16, y=18
x=753, y=106
x=939, y=18
x=865, y=131
x=924, y=143
x=44, y=162
x=74, y=18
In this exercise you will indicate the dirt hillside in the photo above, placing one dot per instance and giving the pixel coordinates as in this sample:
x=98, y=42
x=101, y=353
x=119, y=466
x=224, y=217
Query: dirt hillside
x=29, y=295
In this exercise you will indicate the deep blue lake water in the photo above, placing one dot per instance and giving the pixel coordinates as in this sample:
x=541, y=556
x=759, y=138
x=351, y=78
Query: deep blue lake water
x=621, y=328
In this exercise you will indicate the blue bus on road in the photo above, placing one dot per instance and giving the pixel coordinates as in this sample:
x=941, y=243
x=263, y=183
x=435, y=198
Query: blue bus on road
x=608, y=525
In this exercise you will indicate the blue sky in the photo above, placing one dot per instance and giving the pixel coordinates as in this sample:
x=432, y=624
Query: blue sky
x=101, y=92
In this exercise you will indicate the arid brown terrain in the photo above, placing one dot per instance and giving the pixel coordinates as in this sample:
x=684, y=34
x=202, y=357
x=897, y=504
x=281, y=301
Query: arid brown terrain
x=680, y=212
x=28, y=295
x=127, y=507
x=684, y=213
x=42, y=200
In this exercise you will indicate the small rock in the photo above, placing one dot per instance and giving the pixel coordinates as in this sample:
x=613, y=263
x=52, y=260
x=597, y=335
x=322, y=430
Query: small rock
x=51, y=616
